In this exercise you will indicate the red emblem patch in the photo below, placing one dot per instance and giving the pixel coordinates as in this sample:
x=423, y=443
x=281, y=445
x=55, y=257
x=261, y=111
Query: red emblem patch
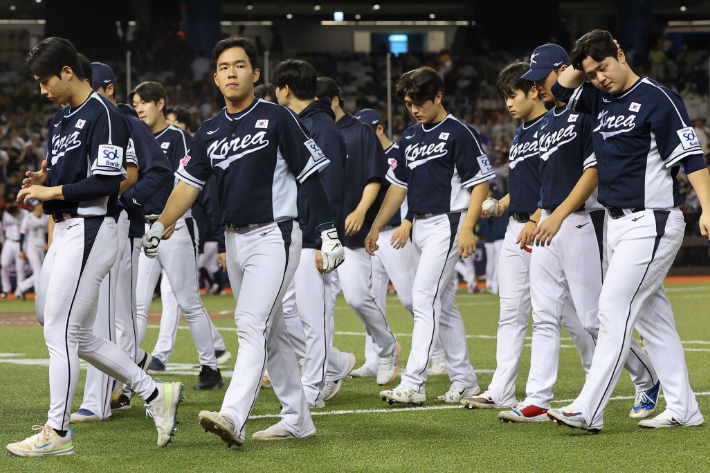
x=185, y=160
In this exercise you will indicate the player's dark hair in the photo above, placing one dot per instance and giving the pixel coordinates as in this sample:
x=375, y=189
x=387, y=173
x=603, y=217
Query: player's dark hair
x=420, y=84
x=86, y=69
x=50, y=56
x=236, y=42
x=327, y=87
x=151, y=92
x=597, y=44
x=265, y=90
x=510, y=79
x=182, y=115
x=299, y=76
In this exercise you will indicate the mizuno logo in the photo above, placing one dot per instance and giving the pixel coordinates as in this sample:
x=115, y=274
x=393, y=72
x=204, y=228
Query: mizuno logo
x=605, y=100
x=72, y=226
x=57, y=124
x=406, y=137
x=106, y=81
x=634, y=219
x=558, y=64
x=266, y=233
x=211, y=132
x=580, y=226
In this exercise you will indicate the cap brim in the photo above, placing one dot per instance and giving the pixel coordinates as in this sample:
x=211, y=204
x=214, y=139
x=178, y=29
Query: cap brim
x=536, y=74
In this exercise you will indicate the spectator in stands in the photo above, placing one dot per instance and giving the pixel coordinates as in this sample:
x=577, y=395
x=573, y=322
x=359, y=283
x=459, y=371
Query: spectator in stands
x=657, y=60
x=703, y=132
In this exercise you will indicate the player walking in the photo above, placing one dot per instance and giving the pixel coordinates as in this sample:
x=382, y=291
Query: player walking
x=33, y=245
x=258, y=152
x=443, y=172
x=79, y=185
x=12, y=220
x=641, y=133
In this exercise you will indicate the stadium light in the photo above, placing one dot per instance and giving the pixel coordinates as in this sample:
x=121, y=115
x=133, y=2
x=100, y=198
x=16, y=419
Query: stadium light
x=38, y=1
x=376, y=6
x=316, y=7
x=250, y=6
x=13, y=8
x=683, y=8
x=338, y=16
x=432, y=16
x=289, y=16
x=357, y=17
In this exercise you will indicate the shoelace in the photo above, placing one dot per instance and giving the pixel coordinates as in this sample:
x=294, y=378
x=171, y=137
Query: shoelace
x=642, y=399
x=384, y=362
x=43, y=434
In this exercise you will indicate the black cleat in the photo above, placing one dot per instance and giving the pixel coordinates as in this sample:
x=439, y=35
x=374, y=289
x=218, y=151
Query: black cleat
x=122, y=403
x=209, y=379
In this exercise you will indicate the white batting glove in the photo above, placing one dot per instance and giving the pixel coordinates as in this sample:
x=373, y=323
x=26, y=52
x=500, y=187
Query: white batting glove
x=151, y=239
x=331, y=250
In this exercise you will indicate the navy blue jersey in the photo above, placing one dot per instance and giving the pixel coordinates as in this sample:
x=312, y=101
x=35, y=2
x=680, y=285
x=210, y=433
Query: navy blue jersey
x=91, y=139
x=438, y=165
x=256, y=156
x=205, y=212
x=524, y=175
x=493, y=228
x=174, y=141
x=641, y=137
x=391, y=155
x=366, y=162
x=154, y=170
x=566, y=151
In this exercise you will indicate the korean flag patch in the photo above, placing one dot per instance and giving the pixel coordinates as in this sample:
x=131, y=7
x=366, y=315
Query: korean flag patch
x=80, y=123
x=634, y=107
x=165, y=144
x=688, y=138
x=443, y=136
x=484, y=164
x=262, y=124
x=110, y=156
x=572, y=118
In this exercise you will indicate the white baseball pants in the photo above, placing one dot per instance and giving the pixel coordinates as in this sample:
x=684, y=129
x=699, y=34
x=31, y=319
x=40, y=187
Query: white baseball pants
x=435, y=240
x=260, y=264
x=641, y=248
x=35, y=255
x=514, y=287
x=208, y=258
x=571, y=267
x=493, y=249
x=83, y=251
x=10, y=253
x=178, y=256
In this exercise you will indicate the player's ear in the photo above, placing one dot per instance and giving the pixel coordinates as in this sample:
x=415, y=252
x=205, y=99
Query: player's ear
x=160, y=104
x=620, y=56
x=110, y=89
x=438, y=98
x=256, y=75
x=66, y=73
x=533, y=93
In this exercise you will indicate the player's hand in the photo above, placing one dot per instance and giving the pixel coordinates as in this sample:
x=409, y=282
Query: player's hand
x=39, y=192
x=38, y=178
x=496, y=213
x=467, y=243
x=332, y=250
x=354, y=221
x=319, y=261
x=22, y=255
x=526, y=235
x=222, y=261
x=704, y=224
x=548, y=228
x=168, y=232
x=151, y=239
x=46, y=247
x=371, y=241
x=401, y=235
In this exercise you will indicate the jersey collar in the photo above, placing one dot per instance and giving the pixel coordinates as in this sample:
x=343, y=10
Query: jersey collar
x=533, y=122
x=238, y=116
x=638, y=82
x=72, y=112
x=434, y=127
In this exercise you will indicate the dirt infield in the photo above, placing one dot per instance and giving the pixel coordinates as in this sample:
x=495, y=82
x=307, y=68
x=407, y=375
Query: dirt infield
x=16, y=319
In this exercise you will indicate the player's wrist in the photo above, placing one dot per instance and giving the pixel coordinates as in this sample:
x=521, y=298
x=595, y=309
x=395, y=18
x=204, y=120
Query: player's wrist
x=158, y=227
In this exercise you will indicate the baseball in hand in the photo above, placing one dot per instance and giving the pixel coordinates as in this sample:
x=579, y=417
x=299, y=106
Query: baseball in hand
x=489, y=206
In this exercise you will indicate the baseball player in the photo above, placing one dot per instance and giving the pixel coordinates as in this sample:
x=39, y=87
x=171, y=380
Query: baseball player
x=493, y=229
x=524, y=103
x=295, y=83
x=566, y=262
x=398, y=259
x=11, y=223
x=179, y=258
x=444, y=174
x=180, y=117
x=259, y=153
x=33, y=245
x=641, y=134
x=362, y=277
x=79, y=184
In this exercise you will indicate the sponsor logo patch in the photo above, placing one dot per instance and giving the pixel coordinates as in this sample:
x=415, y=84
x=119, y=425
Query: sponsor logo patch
x=688, y=138
x=393, y=164
x=185, y=160
x=484, y=164
x=262, y=124
x=314, y=149
x=634, y=107
x=110, y=156
x=80, y=123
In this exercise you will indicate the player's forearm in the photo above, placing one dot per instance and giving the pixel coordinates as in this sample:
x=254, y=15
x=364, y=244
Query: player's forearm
x=131, y=178
x=179, y=202
x=369, y=194
x=154, y=178
x=536, y=216
x=317, y=199
x=50, y=231
x=505, y=202
x=700, y=180
x=479, y=193
x=571, y=78
x=393, y=202
x=579, y=195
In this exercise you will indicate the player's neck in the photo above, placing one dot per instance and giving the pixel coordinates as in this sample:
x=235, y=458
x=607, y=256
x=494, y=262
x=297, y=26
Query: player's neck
x=79, y=95
x=633, y=78
x=386, y=143
x=559, y=104
x=537, y=110
x=239, y=104
x=298, y=105
x=338, y=113
x=160, y=124
x=441, y=114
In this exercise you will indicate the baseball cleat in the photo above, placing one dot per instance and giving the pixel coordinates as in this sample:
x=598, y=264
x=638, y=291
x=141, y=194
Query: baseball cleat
x=163, y=409
x=156, y=366
x=387, y=369
x=222, y=426
x=438, y=366
x=403, y=395
x=266, y=381
x=332, y=388
x=123, y=402
x=645, y=402
x=117, y=391
x=277, y=431
x=665, y=420
x=85, y=416
x=480, y=401
x=222, y=356
x=572, y=417
x=209, y=379
x=318, y=405
x=362, y=372
x=19, y=295
x=44, y=443
x=524, y=413
x=456, y=393
x=146, y=361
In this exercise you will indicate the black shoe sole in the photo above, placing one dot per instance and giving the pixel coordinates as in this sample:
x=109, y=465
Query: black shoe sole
x=210, y=387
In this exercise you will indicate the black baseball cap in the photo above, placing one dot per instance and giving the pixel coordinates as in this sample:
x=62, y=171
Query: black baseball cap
x=543, y=60
x=103, y=75
x=369, y=116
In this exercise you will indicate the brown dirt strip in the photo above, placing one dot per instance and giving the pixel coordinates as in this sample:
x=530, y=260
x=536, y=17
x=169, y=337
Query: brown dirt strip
x=16, y=319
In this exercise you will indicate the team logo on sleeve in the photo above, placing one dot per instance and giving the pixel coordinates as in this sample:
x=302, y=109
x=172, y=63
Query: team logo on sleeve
x=110, y=156
x=262, y=124
x=572, y=118
x=185, y=160
x=314, y=149
x=443, y=136
x=688, y=138
x=80, y=123
x=634, y=107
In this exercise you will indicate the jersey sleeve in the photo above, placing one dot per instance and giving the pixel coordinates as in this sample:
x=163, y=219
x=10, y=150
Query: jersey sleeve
x=670, y=124
x=108, y=139
x=590, y=158
x=581, y=99
x=154, y=168
x=302, y=154
x=131, y=157
x=472, y=162
x=397, y=172
x=374, y=161
x=195, y=167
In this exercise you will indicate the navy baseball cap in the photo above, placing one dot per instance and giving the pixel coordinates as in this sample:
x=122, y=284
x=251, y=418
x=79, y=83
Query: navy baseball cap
x=369, y=117
x=544, y=59
x=103, y=75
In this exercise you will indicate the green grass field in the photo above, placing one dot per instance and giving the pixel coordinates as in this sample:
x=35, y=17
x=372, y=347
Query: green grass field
x=369, y=435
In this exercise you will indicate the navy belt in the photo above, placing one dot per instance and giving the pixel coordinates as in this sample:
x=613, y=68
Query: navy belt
x=151, y=220
x=616, y=212
x=521, y=217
